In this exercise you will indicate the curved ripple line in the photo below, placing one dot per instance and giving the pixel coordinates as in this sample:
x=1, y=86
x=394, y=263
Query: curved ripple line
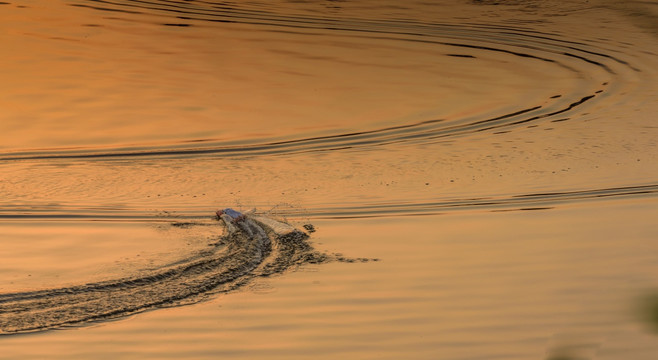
x=533, y=201
x=511, y=41
x=525, y=202
x=409, y=133
x=250, y=249
x=500, y=34
x=236, y=14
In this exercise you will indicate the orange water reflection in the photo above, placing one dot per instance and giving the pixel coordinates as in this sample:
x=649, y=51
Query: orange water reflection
x=418, y=134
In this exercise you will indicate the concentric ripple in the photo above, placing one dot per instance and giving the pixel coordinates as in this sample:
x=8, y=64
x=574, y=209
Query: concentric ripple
x=155, y=110
x=595, y=73
x=499, y=157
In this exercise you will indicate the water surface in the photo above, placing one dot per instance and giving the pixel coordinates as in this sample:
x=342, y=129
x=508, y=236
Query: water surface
x=499, y=158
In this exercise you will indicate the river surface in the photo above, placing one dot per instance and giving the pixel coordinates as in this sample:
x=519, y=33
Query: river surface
x=499, y=160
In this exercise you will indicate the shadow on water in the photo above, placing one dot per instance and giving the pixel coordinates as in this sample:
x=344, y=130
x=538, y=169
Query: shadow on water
x=563, y=354
x=647, y=311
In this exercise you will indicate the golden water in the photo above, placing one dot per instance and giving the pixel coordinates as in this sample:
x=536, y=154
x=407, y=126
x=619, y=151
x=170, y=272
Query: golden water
x=498, y=158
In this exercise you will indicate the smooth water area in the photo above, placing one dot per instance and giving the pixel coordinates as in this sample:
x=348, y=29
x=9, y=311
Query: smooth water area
x=499, y=159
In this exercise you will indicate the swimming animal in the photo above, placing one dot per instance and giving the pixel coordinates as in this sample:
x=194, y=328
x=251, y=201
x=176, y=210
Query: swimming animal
x=252, y=246
x=235, y=215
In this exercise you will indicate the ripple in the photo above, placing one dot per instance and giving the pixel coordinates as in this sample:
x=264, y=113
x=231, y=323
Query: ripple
x=424, y=132
x=391, y=207
x=597, y=72
x=253, y=247
x=524, y=202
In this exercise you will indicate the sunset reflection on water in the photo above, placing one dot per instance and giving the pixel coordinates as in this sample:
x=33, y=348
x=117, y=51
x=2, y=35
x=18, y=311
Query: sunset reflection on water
x=498, y=159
